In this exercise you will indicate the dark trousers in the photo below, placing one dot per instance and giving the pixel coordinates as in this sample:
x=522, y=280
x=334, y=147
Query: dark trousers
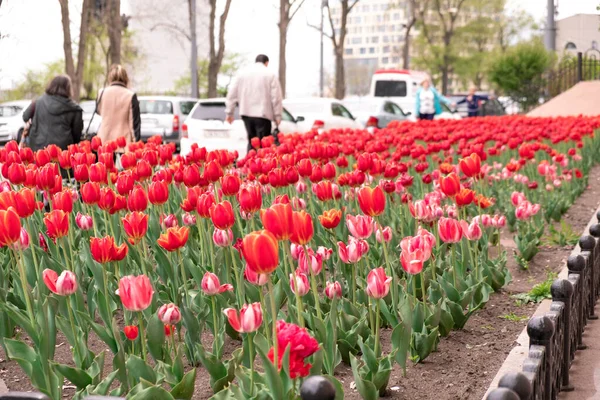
x=428, y=117
x=256, y=127
x=472, y=114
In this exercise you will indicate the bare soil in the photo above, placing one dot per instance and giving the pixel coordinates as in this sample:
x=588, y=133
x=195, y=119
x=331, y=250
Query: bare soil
x=466, y=361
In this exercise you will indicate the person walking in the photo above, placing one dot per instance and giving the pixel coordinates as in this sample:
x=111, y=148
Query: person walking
x=429, y=100
x=473, y=102
x=119, y=108
x=257, y=92
x=55, y=118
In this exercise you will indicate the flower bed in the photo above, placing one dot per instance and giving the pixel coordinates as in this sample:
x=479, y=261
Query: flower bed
x=304, y=252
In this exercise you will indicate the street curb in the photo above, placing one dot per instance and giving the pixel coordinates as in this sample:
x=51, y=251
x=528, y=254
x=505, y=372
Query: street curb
x=516, y=357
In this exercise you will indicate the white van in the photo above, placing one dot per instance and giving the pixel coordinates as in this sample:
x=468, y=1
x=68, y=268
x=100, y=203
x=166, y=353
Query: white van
x=397, y=85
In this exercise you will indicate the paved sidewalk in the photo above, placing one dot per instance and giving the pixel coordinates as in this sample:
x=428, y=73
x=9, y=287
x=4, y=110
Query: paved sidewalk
x=585, y=370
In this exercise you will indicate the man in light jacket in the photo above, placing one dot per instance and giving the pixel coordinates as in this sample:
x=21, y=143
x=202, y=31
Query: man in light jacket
x=257, y=92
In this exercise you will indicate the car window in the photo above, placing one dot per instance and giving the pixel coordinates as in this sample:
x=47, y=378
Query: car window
x=212, y=111
x=340, y=111
x=387, y=107
x=286, y=116
x=9, y=111
x=304, y=108
x=397, y=110
x=390, y=89
x=156, y=107
x=88, y=107
x=186, y=106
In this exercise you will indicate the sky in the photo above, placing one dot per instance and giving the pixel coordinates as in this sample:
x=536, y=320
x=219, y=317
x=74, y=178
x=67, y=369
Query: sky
x=251, y=29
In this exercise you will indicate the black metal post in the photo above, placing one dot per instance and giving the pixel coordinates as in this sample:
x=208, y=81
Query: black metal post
x=317, y=387
x=576, y=266
x=588, y=245
x=579, y=66
x=518, y=383
x=562, y=291
x=541, y=330
x=503, y=394
x=23, y=396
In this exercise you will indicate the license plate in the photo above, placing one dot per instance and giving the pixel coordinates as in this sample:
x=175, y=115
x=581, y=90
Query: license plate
x=216, y=134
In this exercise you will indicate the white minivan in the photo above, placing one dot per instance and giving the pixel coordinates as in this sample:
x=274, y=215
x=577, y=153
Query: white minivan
x=397, y=85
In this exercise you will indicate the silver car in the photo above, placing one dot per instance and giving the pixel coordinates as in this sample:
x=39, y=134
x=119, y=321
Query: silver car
x=11, y=120
x=164, y=115
x=375, y=112
x=91, y=120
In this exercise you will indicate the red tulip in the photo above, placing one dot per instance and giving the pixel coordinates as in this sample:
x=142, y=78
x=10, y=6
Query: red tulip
x=16, y=173
x=135, y=225
x=450, y=184
x=302, y=227
x=360, y=226
x=261, y=251
x=174, y=239
x=211, y=286
x=299, y=283
x=301, y=346
x=57, y=223
x=250, y=198
x=63, y=201
x=222, y=215
x=213, y=171
x=124, y=183
x=204, y=205
x=277, y=219
x=137, y=200
x=323, y=190
x=7, y=200
x=230, y=184
x=464, y=197
x=470, y=166
x=169, y=314
x=90, y=192
x=130, y=331
x=135, y=292
x=191, y=175
x=378, y=283
x=143, y=170
x=333, y=290
x=25, y=202
x=98, y=173
x=330, y=219
x=107, y=199
x=248, y=320
x=10, y=226
x=46, y=177
x=158, y=192
x=371, y=201
x=81, y=173
x=103, y=249
x=449, y=230
x=223, y=238
x=42, y=157
x=63, y=285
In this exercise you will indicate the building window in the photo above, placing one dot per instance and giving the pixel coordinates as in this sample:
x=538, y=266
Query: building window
x=371, y=50
x=381, y=28
x=386, y=49
x=356, y=40
x=363, y=50
x=385, y=60
x=594, y=45
x=396, y=16
x=375, y=39
x=396, y=49
x=357, y=20
x=348, y=52
x=379, y=18
x=365, y=8
x=570, y=46
x=395, y=60
x=386, y=39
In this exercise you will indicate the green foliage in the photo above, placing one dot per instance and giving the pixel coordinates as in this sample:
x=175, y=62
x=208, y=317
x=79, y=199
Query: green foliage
x=539, y=292
x=511, y=316
x=563, y=236
x=35, y=81
x=231, y=64
x=518, y=72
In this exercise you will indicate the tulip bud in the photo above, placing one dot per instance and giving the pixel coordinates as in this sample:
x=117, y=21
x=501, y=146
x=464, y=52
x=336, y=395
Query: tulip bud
x=168, y=221
x=63, y=285
x=131, y=332
x=385, y=234
x=299, y=284
x=23, y=241
x=248, y=320
x=211, y=285
x=169, y=314
x=378, y=283
x=254, y=278
x=223, y=238
x=188, y=219
x=84, y=222
x=333, y=289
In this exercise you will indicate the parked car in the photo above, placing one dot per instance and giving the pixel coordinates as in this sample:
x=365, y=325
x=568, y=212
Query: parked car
x=374, y=112
x=486, y=108
x=206, y=126
x=163, y=116
x=321, y=114
x=89, y=110
x=448, y=113
x=397, y=85
x=11, y=120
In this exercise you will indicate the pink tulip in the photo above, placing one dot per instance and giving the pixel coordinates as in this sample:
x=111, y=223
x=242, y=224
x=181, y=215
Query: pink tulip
x=188, y=219
x=308, y=259
x=526, y=210
x=295, y=250
x=248, y=320
x=84, y=222
x=378, y=283
x=135, y=292
x=449, y=230
x=299, y=283
x=168, y=221
x=425, y=241
x=416, y=250
x=353, y=252
x=324, y=252
x=63, y=285
x=471, y=231
x=43, y=243
x=360, y=226
x=169, y=314
x=212, y=286
x=385, y=234
x=421, y=211
x=298, y=204
x=223, y=238
x=517, y=198
x=254, y=278
x=499, y=221
x=23, y=241
x=301, y=187
x=333, y=289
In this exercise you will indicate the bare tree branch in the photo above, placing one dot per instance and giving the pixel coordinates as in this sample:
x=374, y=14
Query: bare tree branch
x=318, y=28
x=352, y=5
x=172, y=27
x=297, y=8
x=332, y=37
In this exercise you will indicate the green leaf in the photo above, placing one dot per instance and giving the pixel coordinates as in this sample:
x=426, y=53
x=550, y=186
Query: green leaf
x=78, y=377
x=139, y=369
x=367, y=390
x=423, y=344
x=401, y=336
x=273, y=379
x=156, y=338
x=152, y=393
x=104, y=386
x=339, y=389
x=185, y=388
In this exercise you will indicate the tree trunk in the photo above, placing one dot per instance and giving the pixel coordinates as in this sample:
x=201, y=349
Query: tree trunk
x=68, y=50
x=216, y=54
x=445, y=76
x=81, y=52
x=213, y=74
x=340, y=77
x=115, y=30
x=406, y=48
x=284, y=16
x=194, y=49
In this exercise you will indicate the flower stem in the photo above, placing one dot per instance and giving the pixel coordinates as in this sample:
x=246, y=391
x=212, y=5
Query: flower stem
x=354, y=266
x=274, y=323
x=240, y=292
x=78, y=358
x=453, y=262
x=313, y=284
x=184, y=295
x=215, y=326
x=143, y=335
x=413, y=279
x=25, y=286
x=251, y=355
x=299, y=306
x=263, y=306
x=377, y=349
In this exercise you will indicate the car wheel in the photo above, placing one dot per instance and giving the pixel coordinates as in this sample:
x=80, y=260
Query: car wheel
x=19, y=135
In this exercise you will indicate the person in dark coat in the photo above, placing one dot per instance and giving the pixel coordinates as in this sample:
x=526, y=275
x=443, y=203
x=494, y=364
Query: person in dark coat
x=473, y=102
x=55, y=118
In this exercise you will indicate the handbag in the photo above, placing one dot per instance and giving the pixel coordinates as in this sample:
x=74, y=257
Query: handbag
x=27, y=127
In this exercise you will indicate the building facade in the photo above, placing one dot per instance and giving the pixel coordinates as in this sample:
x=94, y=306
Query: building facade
x=579, y=33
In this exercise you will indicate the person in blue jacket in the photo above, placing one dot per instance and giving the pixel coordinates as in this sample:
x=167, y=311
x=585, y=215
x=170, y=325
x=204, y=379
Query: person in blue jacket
x=429, y=101
x=473, y=102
